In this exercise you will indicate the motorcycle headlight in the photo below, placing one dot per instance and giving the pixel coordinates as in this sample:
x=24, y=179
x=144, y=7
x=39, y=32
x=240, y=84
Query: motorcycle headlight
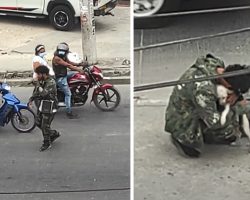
x=7, y=87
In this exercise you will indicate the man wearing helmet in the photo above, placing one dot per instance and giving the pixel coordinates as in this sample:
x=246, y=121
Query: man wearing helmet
x=60, y=65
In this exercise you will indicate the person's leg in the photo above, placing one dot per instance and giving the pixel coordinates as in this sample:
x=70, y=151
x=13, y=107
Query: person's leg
x=63, y=85
x=71, y=73
x=39, y=119
x=45, y=127
x=53, y=133
x=67, y=93
x=189, y=141
x=185, y=150
x=225, y=134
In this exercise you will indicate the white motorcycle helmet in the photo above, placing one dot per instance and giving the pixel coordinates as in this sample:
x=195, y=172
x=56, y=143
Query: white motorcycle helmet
x=74, y=57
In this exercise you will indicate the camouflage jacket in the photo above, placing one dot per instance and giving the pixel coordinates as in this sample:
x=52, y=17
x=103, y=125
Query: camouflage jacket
x=49, y=91
x=194, y=102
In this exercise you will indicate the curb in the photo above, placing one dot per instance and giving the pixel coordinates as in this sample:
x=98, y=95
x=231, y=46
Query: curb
x=122, y=80
x=107, y=72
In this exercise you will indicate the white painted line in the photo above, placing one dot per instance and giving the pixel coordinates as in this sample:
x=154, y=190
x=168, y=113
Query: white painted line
x=115, y=134
x=29, y=16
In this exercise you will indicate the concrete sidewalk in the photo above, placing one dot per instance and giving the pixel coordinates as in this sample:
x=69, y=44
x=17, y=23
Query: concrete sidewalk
x=20, y=36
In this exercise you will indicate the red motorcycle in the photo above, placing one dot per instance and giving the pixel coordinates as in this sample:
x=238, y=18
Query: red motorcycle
x=105, y=96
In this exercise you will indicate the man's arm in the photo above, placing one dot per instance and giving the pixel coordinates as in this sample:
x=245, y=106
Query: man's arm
x=48, y=91
x=35, y=94
x=35, y=65
x=77, y=64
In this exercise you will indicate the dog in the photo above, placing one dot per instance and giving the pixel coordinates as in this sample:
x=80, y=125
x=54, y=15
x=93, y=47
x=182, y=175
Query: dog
x=222, y=94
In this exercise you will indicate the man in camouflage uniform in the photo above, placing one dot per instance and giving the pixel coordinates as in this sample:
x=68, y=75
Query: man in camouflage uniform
x=192, y=116
x=45, y=90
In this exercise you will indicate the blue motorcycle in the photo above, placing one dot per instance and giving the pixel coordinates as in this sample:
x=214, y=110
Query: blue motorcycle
x=21, y=116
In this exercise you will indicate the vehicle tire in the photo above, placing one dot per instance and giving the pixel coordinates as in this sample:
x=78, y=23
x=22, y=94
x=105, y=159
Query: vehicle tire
x=144, y=8
x=109, y=104
x=62, y=18
x=27, y=119
x=149, y=23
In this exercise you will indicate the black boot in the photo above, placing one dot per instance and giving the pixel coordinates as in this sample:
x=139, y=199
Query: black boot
x=46, y=145
x=55, y=136
x=185, y=150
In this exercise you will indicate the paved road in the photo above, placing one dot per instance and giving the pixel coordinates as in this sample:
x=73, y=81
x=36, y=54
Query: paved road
x=222, y=172
x=167, y=62
x=92, y=154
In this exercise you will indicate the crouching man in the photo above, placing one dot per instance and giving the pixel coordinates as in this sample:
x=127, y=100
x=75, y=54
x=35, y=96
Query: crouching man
x=46, y=93
x=192, y=115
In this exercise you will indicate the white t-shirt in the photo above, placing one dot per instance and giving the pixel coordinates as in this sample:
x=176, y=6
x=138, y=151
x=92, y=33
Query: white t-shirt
x=42, y=62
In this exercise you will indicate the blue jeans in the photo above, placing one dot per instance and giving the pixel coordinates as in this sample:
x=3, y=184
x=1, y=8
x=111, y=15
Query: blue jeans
x=62, y=83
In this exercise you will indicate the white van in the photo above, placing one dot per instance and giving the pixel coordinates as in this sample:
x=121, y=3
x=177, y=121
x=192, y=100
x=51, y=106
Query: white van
x=62, y=13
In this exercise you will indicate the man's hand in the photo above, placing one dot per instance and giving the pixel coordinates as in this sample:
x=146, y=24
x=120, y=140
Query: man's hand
x=232, y=98
x=81, y=71
x=83, y=63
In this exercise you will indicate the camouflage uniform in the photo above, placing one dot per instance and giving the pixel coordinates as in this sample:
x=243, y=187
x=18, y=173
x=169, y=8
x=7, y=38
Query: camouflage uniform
x=43, y=121
x=192, y=116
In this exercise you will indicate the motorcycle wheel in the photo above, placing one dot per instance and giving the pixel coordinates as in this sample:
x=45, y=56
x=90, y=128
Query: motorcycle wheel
x=24, y=123
x=109, y=104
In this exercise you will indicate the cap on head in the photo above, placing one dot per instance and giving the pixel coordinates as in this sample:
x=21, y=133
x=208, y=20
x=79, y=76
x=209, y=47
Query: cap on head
x=215, y=61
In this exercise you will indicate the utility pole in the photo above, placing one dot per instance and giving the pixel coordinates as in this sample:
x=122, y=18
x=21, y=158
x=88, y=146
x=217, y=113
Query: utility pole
x=88, y=31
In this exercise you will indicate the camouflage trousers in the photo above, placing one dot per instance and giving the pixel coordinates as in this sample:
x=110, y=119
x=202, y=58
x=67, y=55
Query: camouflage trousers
x=43, y=122
x=197, y=133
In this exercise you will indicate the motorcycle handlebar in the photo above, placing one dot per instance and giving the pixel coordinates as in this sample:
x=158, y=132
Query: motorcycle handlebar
x=83, y=64
x=86, y=69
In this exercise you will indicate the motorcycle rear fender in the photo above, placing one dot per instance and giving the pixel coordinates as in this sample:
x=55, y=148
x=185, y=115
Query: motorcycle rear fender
x=102, y=87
